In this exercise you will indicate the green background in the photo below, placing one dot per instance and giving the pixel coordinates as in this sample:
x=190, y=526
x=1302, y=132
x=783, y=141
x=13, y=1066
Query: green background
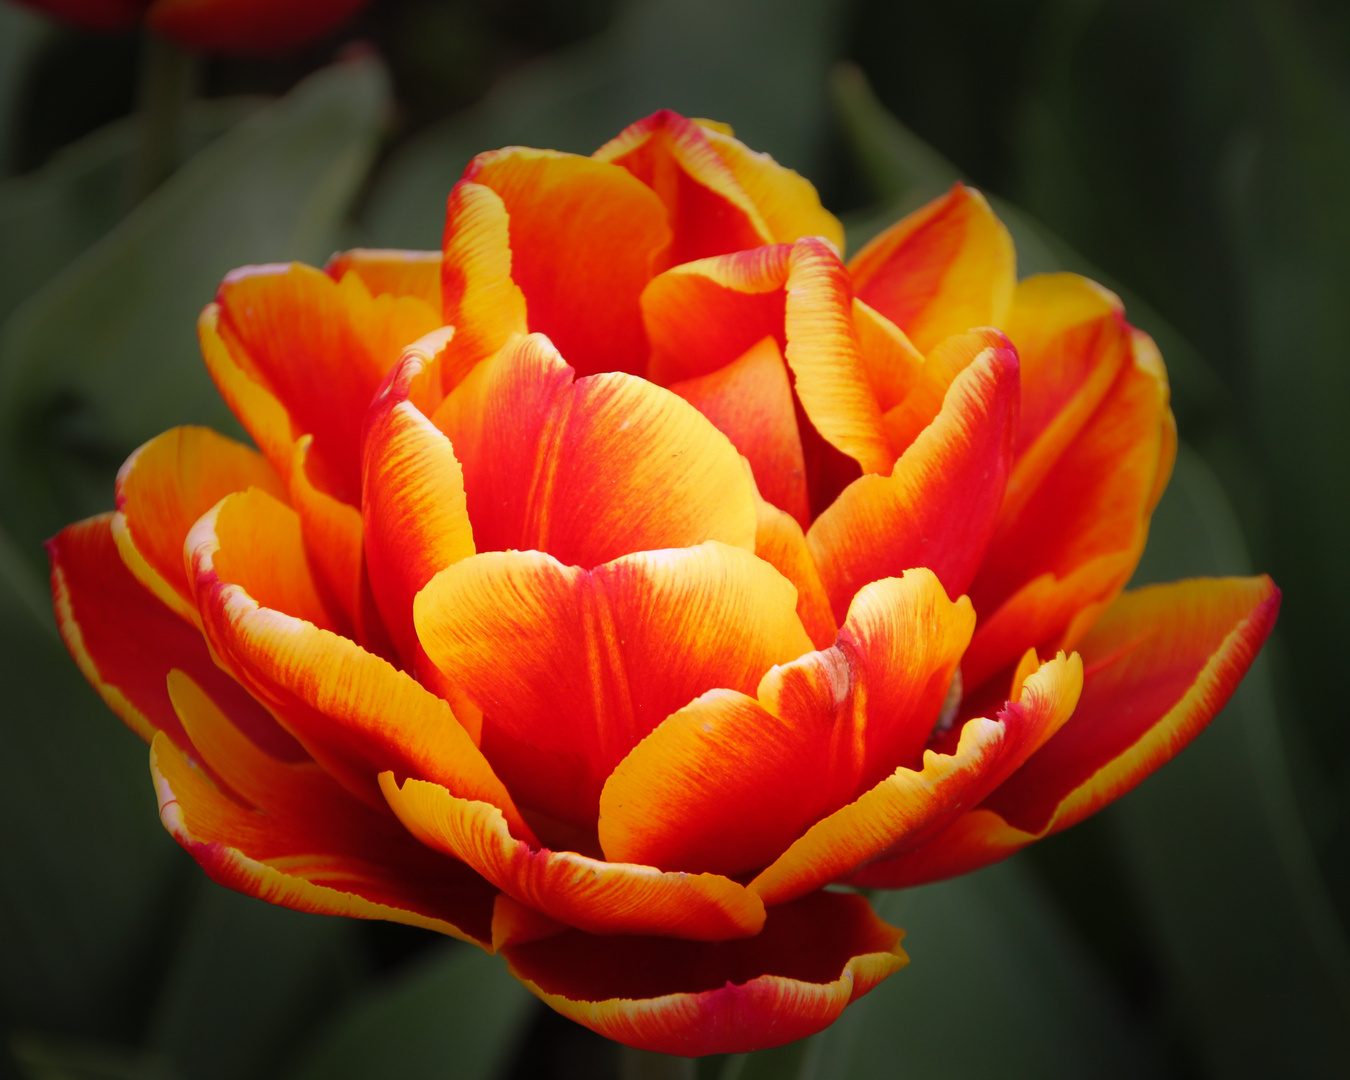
x=1194, y=155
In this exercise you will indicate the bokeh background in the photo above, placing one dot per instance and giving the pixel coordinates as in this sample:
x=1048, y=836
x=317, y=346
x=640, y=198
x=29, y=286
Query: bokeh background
x=1194, y=155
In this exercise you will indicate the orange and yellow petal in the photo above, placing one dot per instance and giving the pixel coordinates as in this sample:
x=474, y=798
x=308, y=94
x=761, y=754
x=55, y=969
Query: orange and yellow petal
x=413, y=505
x=700, y=316
x=585, y=238
x=916, y=410
x=780, y=542
x=793, y=979
x=321, y=348
x=750, y=402
x=591, y=469
x=1094, y=502
x=277, y=860
x=939, y=505
x=572, y=668
x=591, y=894
x=163, y=488
x=822, y=351
x=355, y=713
x=945, y=268
x=892, y=363
x=392, y=271
x=729, y=781
x=709, y=212
x=787, y=201
x=126, y=641
x=1158, y=666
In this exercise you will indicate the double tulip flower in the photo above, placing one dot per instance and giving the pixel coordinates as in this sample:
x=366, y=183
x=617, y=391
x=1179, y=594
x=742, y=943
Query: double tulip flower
x=607, y=584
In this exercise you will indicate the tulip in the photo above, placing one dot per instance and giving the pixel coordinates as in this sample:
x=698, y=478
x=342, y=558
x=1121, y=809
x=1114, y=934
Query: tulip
x=216, y=26
x=609, y=583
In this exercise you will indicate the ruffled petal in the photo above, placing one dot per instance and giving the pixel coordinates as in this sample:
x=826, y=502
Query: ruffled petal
x=355, y=713
x=126, y=642
x=910, y=806
x=687, y=998
x=388, y=270
x=281, y=861
x=163, y=488
x=728, y=782
x=710, y=213
x=586, y=237
x=938, y=507
x=592, y=469
x=943, y=269
x=1158, y=666
x=413, y=506
x=572, y=668
x=750, y=402
x=321, y=349
x=590, y=894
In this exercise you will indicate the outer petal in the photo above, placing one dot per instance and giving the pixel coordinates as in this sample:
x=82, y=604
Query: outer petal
x=1091, y=508
x=593, y=469
x=280, y=862
x=938, y=506
x=710, y=213
x=357, y=715
x=793, y=979
x=247, y=26
x=750, y=402
x=1159, y=665
x=387, y=270
x=163, y=488
x=910, y=806
x=416, y=520
x=593, y=895
x=586, y=237
x=729, y=781
x=572, y=668
x=943, y=269
x=321, y=349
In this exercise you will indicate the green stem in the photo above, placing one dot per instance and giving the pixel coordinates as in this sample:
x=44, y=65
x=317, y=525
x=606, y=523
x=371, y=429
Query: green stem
x=645, y=1065
x=168, y=76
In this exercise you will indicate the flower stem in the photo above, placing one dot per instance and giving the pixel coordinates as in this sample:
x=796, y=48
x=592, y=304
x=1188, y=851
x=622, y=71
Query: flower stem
x=645, y=1065
x=167, y=78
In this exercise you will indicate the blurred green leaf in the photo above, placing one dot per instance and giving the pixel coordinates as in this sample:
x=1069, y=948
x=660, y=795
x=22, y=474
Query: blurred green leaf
x=757, y=64
x=997, y=986
x=22, y=32
x=49, y=216
x=45, y=1057
x=247, y=983
x=105, y=355
x=458, y=1013
x=1222, y=865
x=89, y=871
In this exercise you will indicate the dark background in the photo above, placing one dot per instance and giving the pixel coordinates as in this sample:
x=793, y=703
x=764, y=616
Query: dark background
x=1193, y=154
